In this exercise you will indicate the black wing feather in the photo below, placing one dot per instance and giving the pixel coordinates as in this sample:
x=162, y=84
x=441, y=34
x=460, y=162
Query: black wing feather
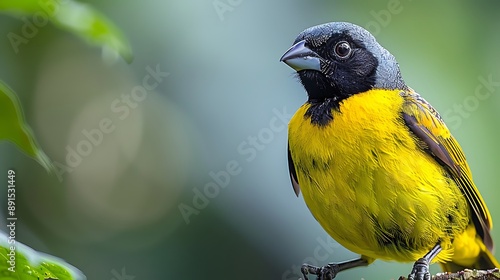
x=293, y=173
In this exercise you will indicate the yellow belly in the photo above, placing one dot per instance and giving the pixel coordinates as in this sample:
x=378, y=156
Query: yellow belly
x=370, y=186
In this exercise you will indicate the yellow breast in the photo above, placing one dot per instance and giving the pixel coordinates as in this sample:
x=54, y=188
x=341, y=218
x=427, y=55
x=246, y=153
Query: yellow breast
x=369, y=185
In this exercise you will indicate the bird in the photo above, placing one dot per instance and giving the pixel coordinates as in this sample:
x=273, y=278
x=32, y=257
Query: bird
x=375, y=162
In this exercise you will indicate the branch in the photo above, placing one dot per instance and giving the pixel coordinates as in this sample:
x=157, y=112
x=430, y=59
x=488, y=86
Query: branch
x=467, y=274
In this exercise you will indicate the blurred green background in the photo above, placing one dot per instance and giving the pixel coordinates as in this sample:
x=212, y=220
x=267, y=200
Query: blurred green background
x=222, y=108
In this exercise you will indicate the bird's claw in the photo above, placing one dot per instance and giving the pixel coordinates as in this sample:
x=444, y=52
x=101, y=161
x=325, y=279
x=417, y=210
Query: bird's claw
x=420, y=270
x=327, y=272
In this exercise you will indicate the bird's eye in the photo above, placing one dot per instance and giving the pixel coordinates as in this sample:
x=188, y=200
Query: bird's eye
x=342, y=49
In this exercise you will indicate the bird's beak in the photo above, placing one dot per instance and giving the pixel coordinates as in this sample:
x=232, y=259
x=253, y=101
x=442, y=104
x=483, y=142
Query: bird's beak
x=300, y=57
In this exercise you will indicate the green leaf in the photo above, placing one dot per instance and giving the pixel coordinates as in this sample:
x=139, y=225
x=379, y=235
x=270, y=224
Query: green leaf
x=78, y=18
x=14, y=128
x=28, y=264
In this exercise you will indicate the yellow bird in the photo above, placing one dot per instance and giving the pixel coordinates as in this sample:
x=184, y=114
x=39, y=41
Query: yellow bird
x=376, y=164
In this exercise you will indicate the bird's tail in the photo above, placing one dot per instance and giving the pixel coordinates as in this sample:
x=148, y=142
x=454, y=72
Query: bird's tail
x=485, y=260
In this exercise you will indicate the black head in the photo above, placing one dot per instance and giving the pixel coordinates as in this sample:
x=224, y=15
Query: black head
x=338, y=59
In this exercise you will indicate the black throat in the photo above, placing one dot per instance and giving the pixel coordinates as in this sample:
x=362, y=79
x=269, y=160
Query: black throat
x=324, y=97
x=320, y=111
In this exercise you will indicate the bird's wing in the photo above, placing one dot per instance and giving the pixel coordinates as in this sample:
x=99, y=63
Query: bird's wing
x=435, y=138
x=293, y=173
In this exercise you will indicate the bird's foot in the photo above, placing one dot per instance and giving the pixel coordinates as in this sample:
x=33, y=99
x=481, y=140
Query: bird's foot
x=327, y=272
x=420, y=270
